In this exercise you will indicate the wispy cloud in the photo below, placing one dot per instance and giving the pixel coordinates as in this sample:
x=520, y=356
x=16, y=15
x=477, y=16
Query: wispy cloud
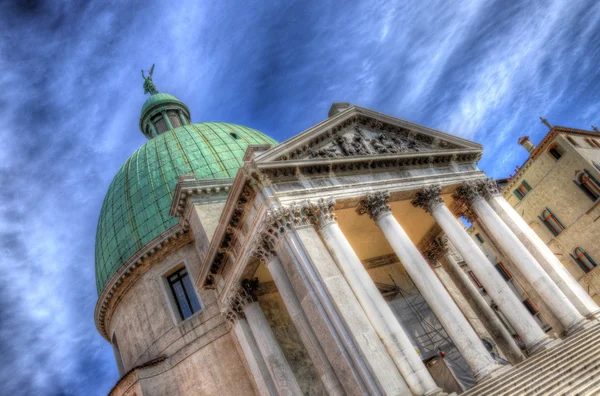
x=71, y=93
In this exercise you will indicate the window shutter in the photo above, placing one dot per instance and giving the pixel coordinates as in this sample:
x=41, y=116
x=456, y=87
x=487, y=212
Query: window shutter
x=591, y=259
x=557, y=219
x=547, y=226
x=518, y=194
x=506, y=278
x=526, y=186
x=583, y=267
x=587, y=172
x=590, y=196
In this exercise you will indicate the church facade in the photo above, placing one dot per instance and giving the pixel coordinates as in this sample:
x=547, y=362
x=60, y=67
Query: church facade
x=334, y=263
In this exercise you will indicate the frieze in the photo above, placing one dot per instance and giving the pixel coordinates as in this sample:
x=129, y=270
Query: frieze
x=370, y=163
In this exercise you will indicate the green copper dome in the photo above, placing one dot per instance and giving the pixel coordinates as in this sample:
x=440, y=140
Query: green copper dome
x=136, y=206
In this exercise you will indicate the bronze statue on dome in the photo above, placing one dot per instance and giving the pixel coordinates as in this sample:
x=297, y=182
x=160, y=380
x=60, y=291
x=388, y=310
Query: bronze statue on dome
x=149, y=86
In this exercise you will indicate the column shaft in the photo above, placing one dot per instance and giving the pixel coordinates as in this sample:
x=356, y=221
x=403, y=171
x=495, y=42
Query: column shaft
x=343, y=354
x=152, y=129
x=395, y=339
x=277, y=364
x=544, y=256
x=310, y=340
x=260, y=372
x=167, y=121
x=449, y=315
x=560, y=305
x=483, y=311
x=366, y=343
x=182, y=118
x=532, y=335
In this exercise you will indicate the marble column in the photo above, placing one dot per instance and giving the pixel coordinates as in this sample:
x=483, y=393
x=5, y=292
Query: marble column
x=484, y=312
x=265, y=251
x=276, y=363
x=456, y=325
x=532, y=335
x=256, y=364
x=167, y=121
x=540, y=251
x=395, y=339
x=368, y=349
x=560, y=305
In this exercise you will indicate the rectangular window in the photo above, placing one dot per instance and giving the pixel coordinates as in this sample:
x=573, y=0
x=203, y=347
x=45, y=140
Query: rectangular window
x=503, y=271
x=522, y=190
x=479, y=238
x=530, y=307
x=183, y=293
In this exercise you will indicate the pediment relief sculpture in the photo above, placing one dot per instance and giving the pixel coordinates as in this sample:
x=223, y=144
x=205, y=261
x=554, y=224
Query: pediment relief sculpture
x=365, y=136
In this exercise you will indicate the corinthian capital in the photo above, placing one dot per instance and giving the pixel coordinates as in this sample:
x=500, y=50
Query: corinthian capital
x=468, y=192
x=321, y=212
x=489, y=188
x=375, y=205
x=429, y=198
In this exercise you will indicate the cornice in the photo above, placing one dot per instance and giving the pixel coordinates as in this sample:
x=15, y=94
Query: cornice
x=370, y=162
x=240, y=194
x=541, y=148
x=189, y=185
x=113, y=289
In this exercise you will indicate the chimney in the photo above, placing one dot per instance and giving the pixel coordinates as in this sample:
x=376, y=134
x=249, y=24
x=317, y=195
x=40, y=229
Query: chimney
x=337, y=107
x=525, y=142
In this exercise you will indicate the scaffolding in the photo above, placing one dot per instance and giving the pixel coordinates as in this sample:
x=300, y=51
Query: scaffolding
x=426, y=332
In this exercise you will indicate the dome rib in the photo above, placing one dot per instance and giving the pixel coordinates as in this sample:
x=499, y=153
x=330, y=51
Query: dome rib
x=136, y=207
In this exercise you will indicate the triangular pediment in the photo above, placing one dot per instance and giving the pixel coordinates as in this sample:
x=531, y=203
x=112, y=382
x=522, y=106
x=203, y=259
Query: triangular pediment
x=362, y=132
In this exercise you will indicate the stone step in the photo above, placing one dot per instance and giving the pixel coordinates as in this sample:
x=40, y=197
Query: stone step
x=576, y=345
x=591, y=388
x=570, y=376
x=570, y=359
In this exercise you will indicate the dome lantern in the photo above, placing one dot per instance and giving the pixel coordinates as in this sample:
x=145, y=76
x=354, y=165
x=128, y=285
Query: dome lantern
x=161, y=112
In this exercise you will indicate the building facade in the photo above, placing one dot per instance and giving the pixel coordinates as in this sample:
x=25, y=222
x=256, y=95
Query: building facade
x=332, y=263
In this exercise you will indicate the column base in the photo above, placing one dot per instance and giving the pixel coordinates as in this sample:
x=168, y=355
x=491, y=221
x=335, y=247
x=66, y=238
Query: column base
x=594, y=315
x=577, y=327
x=436, y=392
x=498, y=370
x=542, y=344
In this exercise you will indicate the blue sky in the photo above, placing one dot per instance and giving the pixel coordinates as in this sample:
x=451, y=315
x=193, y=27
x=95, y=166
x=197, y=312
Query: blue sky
x=71, y=93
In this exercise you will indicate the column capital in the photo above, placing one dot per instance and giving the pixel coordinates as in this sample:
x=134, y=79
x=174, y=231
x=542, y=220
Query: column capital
x=468, y=192
x=321, y=212
x=433, y=250
x=244, y=294
x=489, y=188
x=428, y=198
x=375, y=205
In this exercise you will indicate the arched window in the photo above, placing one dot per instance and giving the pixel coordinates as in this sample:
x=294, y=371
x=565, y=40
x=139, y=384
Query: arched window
x=592, y=142
x=551, y=221
x=584, y=260
x=555, y=151
x=588, y=184
x=117, y=353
